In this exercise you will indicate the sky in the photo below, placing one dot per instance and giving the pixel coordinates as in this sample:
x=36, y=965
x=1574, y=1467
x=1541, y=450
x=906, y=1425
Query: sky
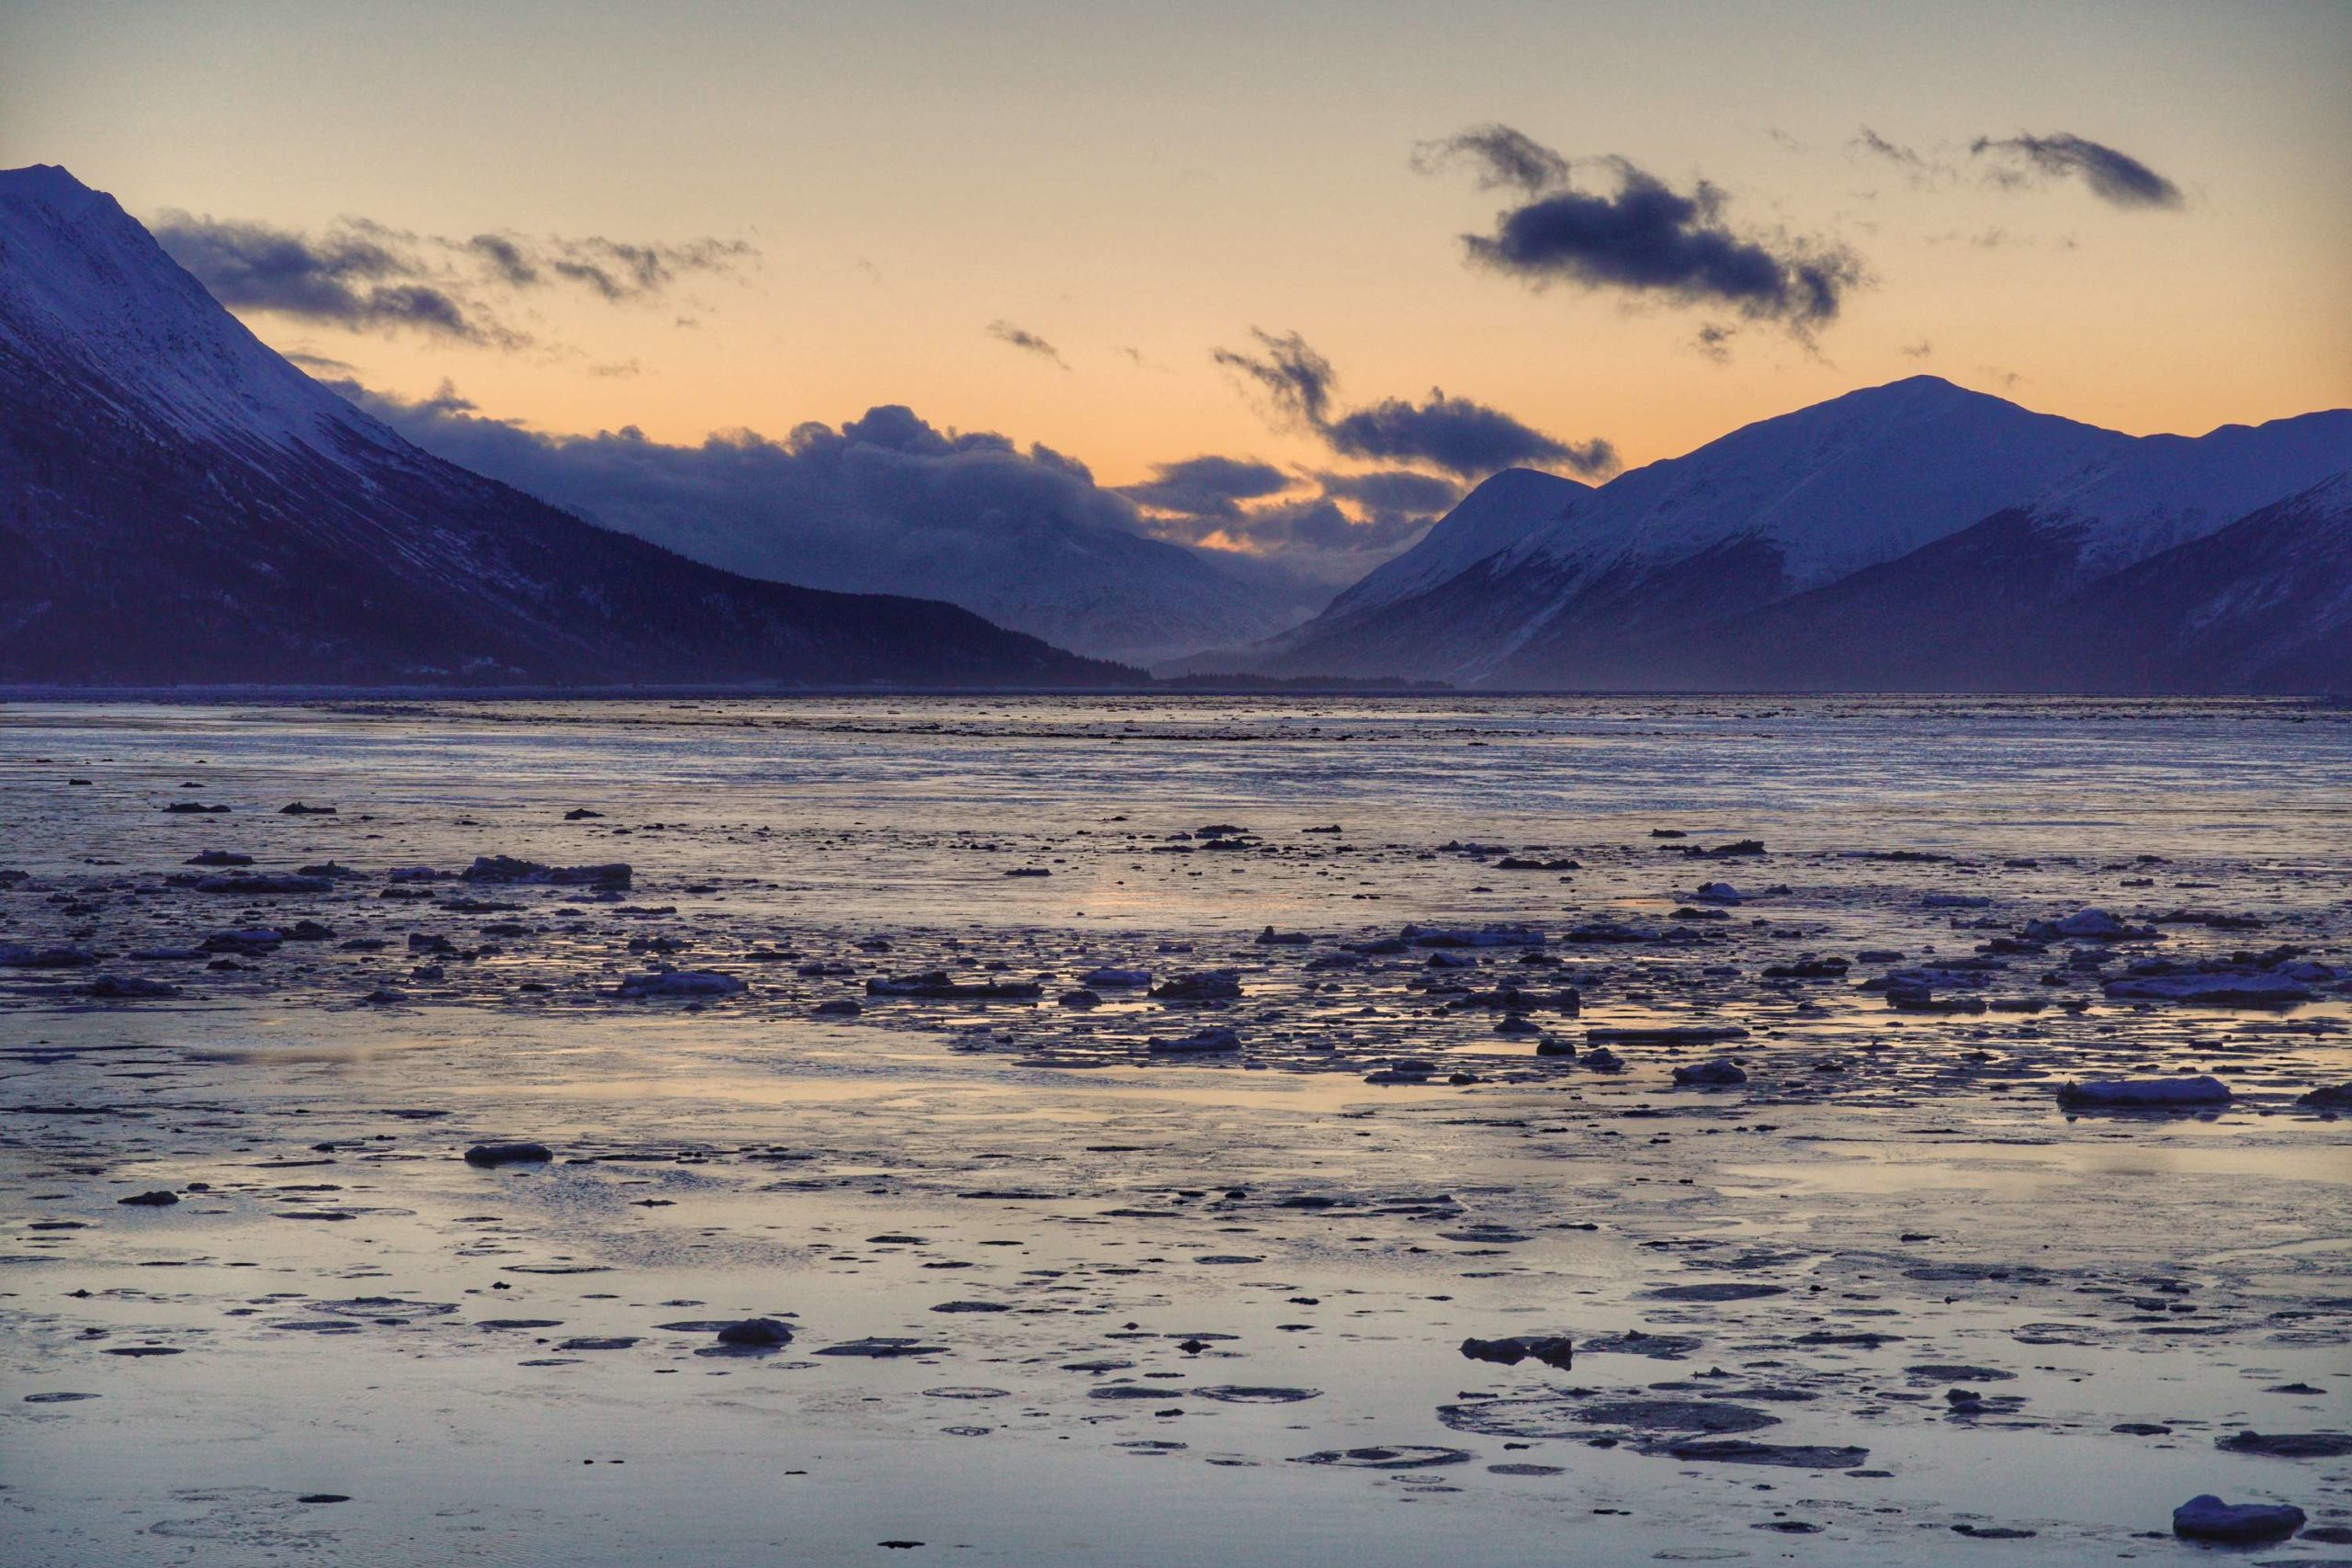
x=1269, y=234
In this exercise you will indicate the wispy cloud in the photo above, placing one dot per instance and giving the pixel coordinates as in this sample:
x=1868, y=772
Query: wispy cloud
x=2115, y=177
x=1025, y=341
x=366, y=276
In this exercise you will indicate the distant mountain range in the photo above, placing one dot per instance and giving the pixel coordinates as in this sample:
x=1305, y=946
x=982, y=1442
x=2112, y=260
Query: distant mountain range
x=179, y=504
x=1909, y=536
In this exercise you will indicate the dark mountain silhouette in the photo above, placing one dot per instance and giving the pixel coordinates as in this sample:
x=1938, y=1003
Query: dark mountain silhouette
x=179, y=504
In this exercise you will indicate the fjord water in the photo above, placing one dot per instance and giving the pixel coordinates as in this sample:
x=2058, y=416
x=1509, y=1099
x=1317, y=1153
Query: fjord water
x=1196, y=1307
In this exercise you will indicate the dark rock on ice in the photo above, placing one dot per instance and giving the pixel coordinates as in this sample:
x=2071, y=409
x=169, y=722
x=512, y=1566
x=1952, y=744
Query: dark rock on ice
x=1552, y=1349
x=1206, y=1041
x=508, y=1154
x=1207, y=986
x=756, y=1333
x=678, y=983
x=2288, y=1445
x=126, y=987
x=1718, y=1074
x=1673, y=1036
x=2087, y=925
x=2207, y=1518
x=934, y=985
x=507, y=868
x=2144, y=1094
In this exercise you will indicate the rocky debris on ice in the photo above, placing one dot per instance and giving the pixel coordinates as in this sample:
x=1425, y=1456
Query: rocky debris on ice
x=508, y=869
x=2087, y=925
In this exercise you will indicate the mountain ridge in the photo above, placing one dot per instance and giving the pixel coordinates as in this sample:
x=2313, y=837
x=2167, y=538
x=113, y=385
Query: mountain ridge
x=1849, y=544
x=178, y=504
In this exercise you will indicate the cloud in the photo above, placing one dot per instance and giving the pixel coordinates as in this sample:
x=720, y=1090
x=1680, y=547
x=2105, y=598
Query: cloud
x=1646, y=239
x=1208, y=487
x=1025, y=341
x=350, y=277
x=1643, y=237
x=1393, y=489
x=1293, y=376
x=1917, y=167
x=1456, y=434
x=1348, y=523
x=1460, y=436
x=2117, y=178
x=365, y=276
x=1502, y=157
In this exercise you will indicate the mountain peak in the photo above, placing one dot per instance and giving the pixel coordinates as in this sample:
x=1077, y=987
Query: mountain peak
x=84, y=289
x=53, y=187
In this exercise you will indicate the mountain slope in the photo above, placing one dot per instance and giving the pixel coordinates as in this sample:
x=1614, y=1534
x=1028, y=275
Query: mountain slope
x=178, y=504
x=1980, y=609
x=2264, y=604
x=1592, y=596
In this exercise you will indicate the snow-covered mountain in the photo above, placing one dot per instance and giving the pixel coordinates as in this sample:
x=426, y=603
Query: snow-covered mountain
x=180, y=504
x=2264, y=604
x=1913, y=534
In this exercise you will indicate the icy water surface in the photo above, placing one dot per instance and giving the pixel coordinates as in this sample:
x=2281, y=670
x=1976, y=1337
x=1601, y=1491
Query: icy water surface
x=1054, y=1294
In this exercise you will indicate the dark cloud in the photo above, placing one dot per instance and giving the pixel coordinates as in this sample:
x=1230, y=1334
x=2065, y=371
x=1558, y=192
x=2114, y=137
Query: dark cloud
x=1025, y=341
x=1502, y=157
x=350, y=277
x=1402, y=491
x=1645, y=238
x=320, y=365
x=1330, y=536
x=1453, y=433
x=1208, y=487
x=1460, y=436
x=1293, y=376
x=369, y=277
x=2117, y=178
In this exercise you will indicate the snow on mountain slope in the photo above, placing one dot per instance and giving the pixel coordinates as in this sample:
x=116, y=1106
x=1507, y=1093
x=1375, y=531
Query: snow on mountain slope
x=1503, y=510
x=2164, y=490
x=1860, y=479
x=2264, y=604
x=1773, y=509
x=179, y=504
x=84, y=287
